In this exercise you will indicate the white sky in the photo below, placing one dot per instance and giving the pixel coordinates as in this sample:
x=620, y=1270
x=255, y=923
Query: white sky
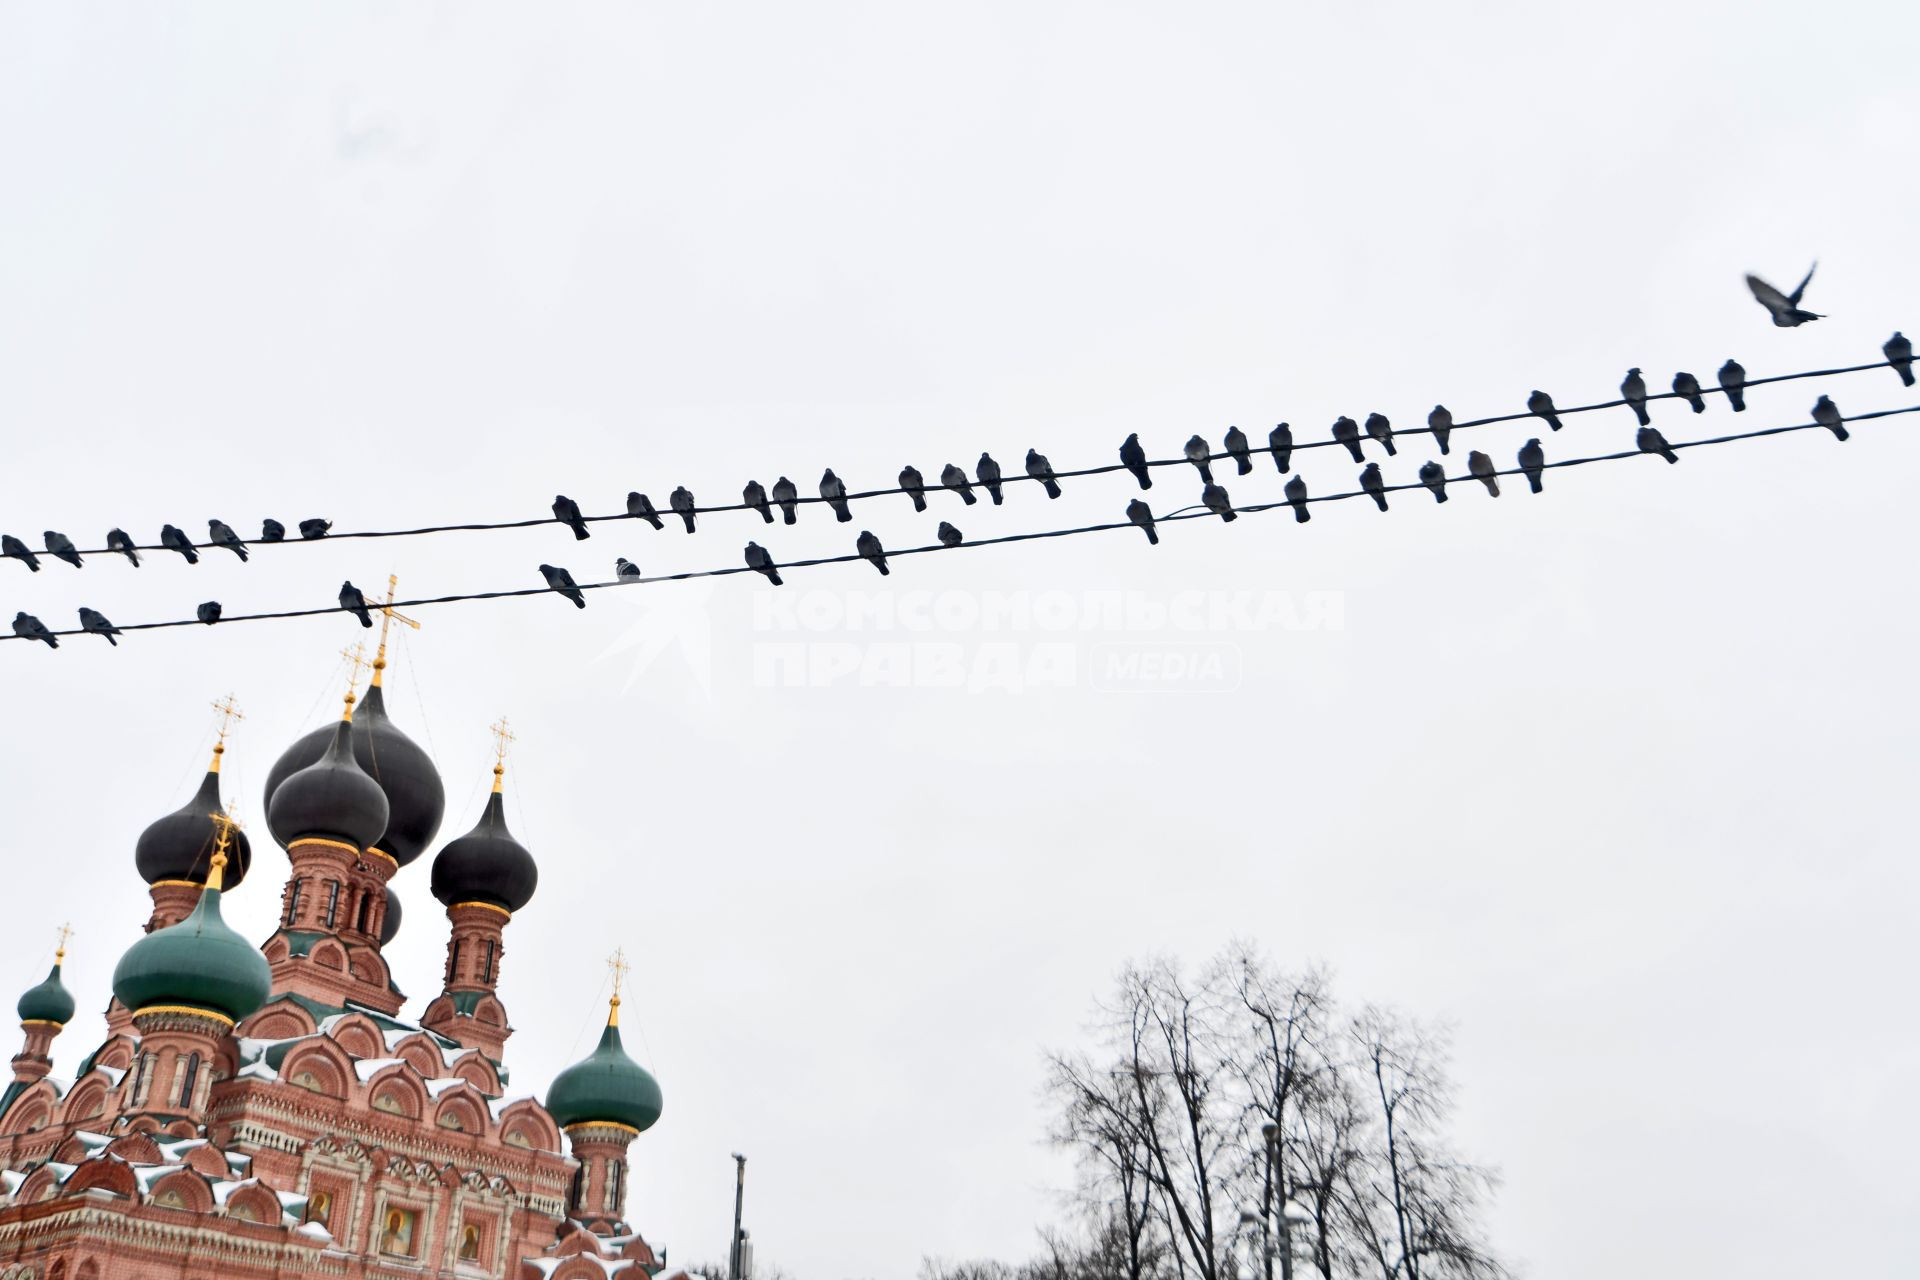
x=1612, y=777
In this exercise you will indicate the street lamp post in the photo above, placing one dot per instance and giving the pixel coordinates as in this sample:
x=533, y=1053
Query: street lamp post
x=739, y=1200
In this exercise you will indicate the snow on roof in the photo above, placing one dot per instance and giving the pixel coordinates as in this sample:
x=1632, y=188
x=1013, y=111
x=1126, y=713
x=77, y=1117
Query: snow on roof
x=113, y=1074
x=313, y=1231
x=439, y=1086
x=368, y=1068
x=500, y=1104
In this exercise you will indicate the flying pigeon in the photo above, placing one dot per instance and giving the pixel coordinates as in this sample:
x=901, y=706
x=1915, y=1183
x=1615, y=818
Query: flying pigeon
x=1733, y=381
x=117, y=540
x=1440, y=422
x=1381, y=430
x=562, y=581
x=916, y=486
x=1687, y=387
x=1434, y=476
x=28, y=627
x=1784, y=308
x=626, y=570
x=1199, y=453
x=1141, y=514
x=787, y=495
x=681, y=500
x=272, y=530
x=1347, y=432
x=353, y=602
x=1827, y=414
x=1237, y=448
x=174, y=540
x=640, y=507
x=1296, y=492
x=567, y=512
x=96, y=622
x=1899, y=353
x=956, y=479
x=1651, y=441
x=1215, y=499
x=1374, y=484
x=989, y=472
x=834, y=490
x=870, y=549
x=760, y=562
x=1280, y=441
x=315, y=528
x=61, y=547
x=1134, y=459
x=1540, y=404
x=221, y=534
x=1040, y=469
x=208, y=612
x=1533, y=461
x=1634, y=391
x=755, y=496
x=948, y=535
x=1482, y=468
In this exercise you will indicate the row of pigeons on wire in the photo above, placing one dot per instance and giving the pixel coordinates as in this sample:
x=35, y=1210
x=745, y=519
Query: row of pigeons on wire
x=988, y=475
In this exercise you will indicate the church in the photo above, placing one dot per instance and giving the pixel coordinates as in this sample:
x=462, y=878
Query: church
x=268, y=1111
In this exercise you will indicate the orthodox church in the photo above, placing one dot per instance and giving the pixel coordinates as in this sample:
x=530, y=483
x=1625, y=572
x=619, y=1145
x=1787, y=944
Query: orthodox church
x=268, y=1111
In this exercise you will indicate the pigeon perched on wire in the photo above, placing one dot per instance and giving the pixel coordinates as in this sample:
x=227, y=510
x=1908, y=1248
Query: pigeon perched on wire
x=1434, y=476
x=1215, y=499
x=681, y=500
x=755, y=496
x=1296, y=492
x=14, y=549
x=948, y=535
x=353, y=602
x=1381, y=431
x=1347, y=432
x=1040, y=469
x=1687, y=387
x=174, y=540
x=1483, y=470
x=626, y=570
x=117, y=540
x=956, y=479
x=786, y=495
x=1374, y=485
x=1533, y=461
x=760, y=562
x=1540, y=404
x=1280, y=442
x=567, y=512
x=834, y=490
x=1134, y=459
x=272, y=530
x=1200, y=453
x=1239, y=449
x=61, y=547
x=208, y=612
x=915, y=485
x=92, y=620
x=315, y=528
x=989, y=473
x=1899, y=352
x=1783, y=307
x=1440, y=422
x=1141, y=514
x=1651, y=441
x=1634, y=391
x=221, y=534
x=1827, y=414
x=872, y=552
x=1733, y=381
x=560, y=580
x=640, y=507
x=28, y=627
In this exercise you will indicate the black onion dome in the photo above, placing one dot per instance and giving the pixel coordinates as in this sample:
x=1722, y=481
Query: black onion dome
x=332, y=798
x=180, y=845
x=486, y=865
x=416, y=800
x=390, y=922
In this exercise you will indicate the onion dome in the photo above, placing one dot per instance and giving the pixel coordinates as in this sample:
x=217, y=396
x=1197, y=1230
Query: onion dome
x=48, y=1002
x=390, y=922
x=416, y=800
x=180, y=845
x=199, y=963
x=605, y=1087
x=332, y=798
x=487, y=864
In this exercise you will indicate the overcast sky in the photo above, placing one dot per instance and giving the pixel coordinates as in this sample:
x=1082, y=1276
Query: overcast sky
x=1617, y=779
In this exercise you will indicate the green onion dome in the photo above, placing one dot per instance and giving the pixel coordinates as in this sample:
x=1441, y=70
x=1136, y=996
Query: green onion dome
x=487, y=864
x=180, y=845
x=330, y=799
x=48, y=1002
x=605, y=1087
x=416, y=799
x=199, y=963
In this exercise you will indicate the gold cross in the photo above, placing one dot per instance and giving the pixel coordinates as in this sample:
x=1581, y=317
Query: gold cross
x=500, y=740
x=617, y=964
x=229, y=712
x=356, y=656
x=60, y=953
x=388, y=616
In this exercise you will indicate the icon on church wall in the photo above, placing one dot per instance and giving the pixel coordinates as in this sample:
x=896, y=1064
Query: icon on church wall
x=470, y=1243
x=397, y=1235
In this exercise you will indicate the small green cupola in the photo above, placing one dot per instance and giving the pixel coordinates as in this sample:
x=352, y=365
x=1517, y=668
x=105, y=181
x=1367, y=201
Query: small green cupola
x=606, y=1087
x=199, y=964
x=50, y=1002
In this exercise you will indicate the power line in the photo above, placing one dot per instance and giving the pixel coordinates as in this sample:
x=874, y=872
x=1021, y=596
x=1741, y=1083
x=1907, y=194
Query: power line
x=1199, y=513
x=935, y=486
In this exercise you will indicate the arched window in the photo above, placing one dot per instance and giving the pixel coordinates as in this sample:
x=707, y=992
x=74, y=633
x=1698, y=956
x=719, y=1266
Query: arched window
x=453, y=960
x=616, y=1180
x=189, y=1077
x=333, y=901
x=486, y=972
x=366, y=909
x=293, y=900
x=139, y=1078
x=578, y=1197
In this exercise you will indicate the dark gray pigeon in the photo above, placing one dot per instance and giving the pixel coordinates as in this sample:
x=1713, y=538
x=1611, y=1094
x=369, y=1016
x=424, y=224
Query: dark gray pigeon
x=835, y=492
x=786, y=495
x=28, y=627
x=315, y=528
x=915, y=485
x=1141, y=514
x=1238, y=448
x=1381, y=431
x=626, y=570
x=1540, y=404
x=755, y=496
x=1634, y=391
x=208, y=612
x=174, y=540
x=117, y=540
x=681, y=500
x=1483, y=470
x=948, y=535
x=1434, y=476
x=1215, y=499
x=1440, y=422
x=1533, y=461
x=1899, y=352
x=562, y=581
x=1040, y=469
x=1651, y=441
x=272, y=530
x=870, y=550
x=1134, y=459
x=1296, y=492
x=353, y=602
x=1783, y=307
x=221, y=534
x=640, y=507
x=96, y=622
x=760, y=562
x=1687, y=387
x=1347, y=432
x=1827, y=414
x=989, y=472
x=1200, y=453
x=1280, y=442
x=567, y=512
x=1374, y=484
x=1733, y=381
x=956, y=479
x=61, y=547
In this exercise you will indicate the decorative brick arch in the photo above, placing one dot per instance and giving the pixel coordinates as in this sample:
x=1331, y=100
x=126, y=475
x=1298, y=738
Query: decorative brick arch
x=360, y=1036
x=526, y=1123
x=462, y=1108
x=422, y=1054
x=397, y=1091
x=86, y=1100
x=108, y=1175
x=329, y=955
x=282, y=1020
x=135, y=1148
x=207, y=1162
x=254, y=1203
x=319, y=1065
x=42, y=1184
x=116, y=1053
x=477, y=1071
x=182, y=1189
x=31, y=1110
